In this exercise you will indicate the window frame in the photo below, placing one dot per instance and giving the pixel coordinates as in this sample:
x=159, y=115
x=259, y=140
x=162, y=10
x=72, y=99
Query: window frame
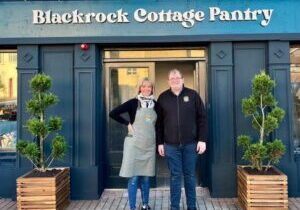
x=10, y=154
x=294, y=65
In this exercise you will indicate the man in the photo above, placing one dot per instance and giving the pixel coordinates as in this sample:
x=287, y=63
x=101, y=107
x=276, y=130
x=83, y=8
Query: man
x=181, y=133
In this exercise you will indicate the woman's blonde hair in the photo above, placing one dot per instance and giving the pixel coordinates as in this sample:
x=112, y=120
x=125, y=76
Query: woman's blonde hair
x=141, y=82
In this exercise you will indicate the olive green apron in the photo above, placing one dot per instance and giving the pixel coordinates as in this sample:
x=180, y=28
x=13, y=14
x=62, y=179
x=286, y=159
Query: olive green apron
x=139, y=146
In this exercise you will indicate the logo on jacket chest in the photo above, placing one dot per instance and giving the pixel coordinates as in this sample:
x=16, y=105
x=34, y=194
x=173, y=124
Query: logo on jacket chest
x=186, y=99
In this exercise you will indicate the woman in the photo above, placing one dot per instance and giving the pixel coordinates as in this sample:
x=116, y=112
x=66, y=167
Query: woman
x=138, y=162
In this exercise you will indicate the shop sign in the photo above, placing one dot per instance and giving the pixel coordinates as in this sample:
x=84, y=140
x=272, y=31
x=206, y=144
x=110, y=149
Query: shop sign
x=186, y=18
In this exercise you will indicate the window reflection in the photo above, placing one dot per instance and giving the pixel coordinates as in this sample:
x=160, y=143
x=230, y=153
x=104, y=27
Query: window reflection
x=124, y=82
x=8, y=101
x=295, y=88
x=163, y=53
x=123, y=86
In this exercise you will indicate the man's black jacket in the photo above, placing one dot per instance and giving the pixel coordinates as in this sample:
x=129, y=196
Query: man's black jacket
x=181, y=119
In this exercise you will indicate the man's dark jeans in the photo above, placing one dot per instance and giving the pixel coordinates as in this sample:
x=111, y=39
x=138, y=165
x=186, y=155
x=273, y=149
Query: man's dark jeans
x=182, y=161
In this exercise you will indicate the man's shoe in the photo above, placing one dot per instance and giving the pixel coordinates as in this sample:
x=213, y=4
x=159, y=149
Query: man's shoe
x=147, y=207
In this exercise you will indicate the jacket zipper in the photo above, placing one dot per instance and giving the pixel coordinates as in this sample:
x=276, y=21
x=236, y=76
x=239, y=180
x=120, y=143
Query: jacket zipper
x=178, y=121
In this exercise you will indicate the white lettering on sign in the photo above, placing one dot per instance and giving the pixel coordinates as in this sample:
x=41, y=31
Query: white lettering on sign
x=48, y=17
x=238, y=15
x=186, y=18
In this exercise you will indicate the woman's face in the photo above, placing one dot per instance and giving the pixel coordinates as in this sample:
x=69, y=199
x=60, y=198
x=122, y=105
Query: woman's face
x=146, y=88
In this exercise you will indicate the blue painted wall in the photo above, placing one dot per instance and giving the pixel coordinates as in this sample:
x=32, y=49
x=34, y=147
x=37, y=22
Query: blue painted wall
x=279, y=69
x=77, y=82
x=232, y=67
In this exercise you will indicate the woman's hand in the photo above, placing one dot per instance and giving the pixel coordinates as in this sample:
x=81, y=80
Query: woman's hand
x=130, y=129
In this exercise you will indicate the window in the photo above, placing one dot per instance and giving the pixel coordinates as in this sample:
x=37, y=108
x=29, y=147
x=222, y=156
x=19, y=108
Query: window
x=131, y=71
x=8, y=104
x=12, y=57
x=1, y=58
x=295, y=88
x=148, y=54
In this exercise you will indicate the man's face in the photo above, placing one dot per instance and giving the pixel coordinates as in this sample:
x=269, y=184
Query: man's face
x=175, y=81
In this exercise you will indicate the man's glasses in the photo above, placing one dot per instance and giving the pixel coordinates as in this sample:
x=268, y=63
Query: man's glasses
x=175, y=78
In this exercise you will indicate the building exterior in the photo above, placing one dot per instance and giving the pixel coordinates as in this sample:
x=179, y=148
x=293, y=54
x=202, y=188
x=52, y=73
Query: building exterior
x=96, y=51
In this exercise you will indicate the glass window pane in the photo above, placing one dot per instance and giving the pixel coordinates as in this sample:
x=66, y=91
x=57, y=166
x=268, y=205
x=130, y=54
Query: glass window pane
x=295, y=88
x=123, y=86
x=8, y=103
x=163, y=53
x=124, y=83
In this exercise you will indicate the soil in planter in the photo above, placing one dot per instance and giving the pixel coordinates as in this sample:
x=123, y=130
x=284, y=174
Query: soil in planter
x=48, y=173
x=270, y=171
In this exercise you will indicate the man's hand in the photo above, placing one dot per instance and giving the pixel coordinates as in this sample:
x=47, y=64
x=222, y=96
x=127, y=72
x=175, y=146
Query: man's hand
x=201, y=147
x=161, y=150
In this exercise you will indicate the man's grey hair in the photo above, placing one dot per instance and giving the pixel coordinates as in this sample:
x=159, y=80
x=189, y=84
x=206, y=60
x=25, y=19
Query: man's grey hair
x=174, y=71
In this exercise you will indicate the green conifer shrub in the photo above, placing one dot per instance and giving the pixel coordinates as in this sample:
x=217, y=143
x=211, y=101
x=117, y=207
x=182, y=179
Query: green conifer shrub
x=261, y=107
x=40, y=127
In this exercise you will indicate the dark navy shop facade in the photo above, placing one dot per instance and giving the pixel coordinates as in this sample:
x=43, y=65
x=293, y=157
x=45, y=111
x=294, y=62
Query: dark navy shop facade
x=223, y=45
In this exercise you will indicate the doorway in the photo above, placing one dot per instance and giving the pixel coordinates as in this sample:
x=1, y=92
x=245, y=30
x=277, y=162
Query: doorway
x=121, y=80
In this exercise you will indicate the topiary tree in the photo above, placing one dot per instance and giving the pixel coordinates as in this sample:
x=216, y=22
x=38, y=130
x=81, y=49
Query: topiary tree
x=261, y=107
x=40, y=127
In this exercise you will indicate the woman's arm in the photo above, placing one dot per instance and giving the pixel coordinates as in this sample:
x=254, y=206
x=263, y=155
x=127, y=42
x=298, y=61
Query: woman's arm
x=127, y=107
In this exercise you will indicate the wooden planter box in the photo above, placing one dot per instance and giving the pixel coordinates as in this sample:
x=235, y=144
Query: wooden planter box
x=44, y=192
x=262, y=191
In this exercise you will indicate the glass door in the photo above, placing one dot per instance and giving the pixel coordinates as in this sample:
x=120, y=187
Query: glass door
x=121, y=83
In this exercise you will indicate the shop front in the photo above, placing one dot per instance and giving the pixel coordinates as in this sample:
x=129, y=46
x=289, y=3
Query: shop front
x=96, y=51
x=123, y=69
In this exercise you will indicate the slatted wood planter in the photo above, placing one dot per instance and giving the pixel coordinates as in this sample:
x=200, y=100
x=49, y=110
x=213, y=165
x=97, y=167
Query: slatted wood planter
x=262, y=191
x=44, y=192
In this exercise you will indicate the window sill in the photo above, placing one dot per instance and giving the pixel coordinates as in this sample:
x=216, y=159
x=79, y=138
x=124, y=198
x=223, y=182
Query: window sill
x=8, y=150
